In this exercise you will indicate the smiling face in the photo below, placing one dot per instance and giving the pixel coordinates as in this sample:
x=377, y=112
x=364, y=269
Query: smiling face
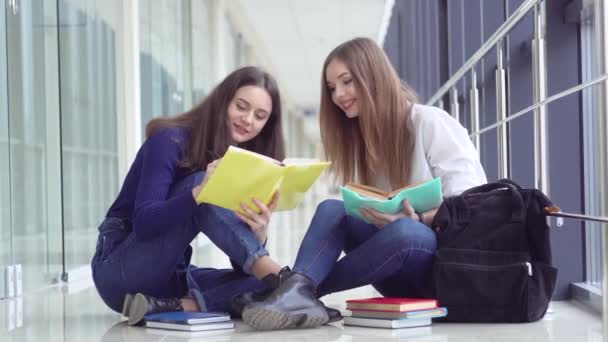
x=248, y=113
x=341, y=85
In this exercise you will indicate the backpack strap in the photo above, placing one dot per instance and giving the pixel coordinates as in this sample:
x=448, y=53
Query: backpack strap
x=519, y=207
x=508, y=181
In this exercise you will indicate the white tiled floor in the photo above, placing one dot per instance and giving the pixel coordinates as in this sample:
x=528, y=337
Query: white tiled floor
x=54, y=314
x=75, y=313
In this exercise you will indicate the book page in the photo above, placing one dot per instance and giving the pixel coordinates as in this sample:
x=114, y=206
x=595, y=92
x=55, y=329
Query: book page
x=234, y=149
x=239, y=177
x=298, y=179
x=396, y=192
x=423, y=197
x=368, y=191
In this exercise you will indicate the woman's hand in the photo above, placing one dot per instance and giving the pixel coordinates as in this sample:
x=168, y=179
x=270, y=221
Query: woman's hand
x=210, y=169
x=259, y=222
x=381, y=219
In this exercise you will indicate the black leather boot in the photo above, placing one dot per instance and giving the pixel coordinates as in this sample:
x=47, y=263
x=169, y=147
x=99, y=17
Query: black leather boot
x=272, y=282
x=293, y=304
x=333, y=315
x=142, y=305
x=239, y=302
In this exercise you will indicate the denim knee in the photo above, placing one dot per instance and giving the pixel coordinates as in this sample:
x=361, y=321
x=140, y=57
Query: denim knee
x=410, y=234
x=231, y=235
x=329, y=210
x=330, y=207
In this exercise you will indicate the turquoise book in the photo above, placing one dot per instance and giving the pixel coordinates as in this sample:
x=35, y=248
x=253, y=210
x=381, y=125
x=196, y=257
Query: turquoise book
x=422, y=197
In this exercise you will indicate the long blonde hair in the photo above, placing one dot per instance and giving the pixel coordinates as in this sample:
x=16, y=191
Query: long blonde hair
x=380, y=141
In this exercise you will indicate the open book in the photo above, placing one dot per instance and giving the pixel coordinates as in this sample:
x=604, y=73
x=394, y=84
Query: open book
x=422, y=197
x=242, y=175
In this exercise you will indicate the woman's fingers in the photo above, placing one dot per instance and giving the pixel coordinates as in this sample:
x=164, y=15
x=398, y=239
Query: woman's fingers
x=247, y=211
x=208, y=172
x=246, y=219
x=367, y=213
x=408, y=210
x=367, y=216
x=213, y=165
x=253, y=216
x=256, y=222
x=265, y=211
x=385, y=218
x=275, y=201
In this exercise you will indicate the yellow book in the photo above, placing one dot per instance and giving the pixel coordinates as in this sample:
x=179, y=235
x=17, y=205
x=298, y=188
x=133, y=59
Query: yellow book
x=242, y=175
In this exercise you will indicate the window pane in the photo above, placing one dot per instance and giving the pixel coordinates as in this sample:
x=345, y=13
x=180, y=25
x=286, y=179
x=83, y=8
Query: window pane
x=162, y=57
x=88, y=47
x=34, y=148
x=5, y=199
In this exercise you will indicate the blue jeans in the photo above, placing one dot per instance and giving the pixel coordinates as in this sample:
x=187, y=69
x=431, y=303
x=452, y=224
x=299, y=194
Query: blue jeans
x=397, y=259
x=161, y=267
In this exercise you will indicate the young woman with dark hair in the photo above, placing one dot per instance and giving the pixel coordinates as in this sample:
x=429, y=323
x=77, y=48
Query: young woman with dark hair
x=142, y=259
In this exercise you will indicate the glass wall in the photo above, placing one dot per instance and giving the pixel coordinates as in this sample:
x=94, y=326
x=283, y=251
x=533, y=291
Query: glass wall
x=6, y=250
x=88, y=47
x=163, y=43
x=65, y=138
x=592, y=149
x=58, y=143
x=175, y=55
x=233, y=46
x=201, y=47
x=33, y=138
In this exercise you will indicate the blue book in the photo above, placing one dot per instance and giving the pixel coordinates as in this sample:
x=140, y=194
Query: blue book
x=422, y=197
x=188, y=318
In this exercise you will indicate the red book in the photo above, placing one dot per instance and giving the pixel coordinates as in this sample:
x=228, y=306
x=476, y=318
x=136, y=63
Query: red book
x=391, y=304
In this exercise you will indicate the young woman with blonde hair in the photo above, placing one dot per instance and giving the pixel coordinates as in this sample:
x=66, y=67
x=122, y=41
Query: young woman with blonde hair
x=373, y=132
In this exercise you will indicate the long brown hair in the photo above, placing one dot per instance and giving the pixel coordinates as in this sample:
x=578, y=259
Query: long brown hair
x=208, y=126
x=381, y=139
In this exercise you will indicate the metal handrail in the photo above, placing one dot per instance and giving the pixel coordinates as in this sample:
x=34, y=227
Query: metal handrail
x=541, y=103
x=502, y=31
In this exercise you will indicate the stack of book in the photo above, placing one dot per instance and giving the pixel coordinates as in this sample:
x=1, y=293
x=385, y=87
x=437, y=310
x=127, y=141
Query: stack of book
x=392, y=313
x=190, y=321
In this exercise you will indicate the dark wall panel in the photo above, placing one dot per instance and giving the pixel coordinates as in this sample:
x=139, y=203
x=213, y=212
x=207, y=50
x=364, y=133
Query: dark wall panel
x=413, y=44
x=429, y=40
x=520, y=96
x=565, y=157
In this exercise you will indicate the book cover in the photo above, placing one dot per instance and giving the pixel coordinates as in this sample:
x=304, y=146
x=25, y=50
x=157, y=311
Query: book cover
x=181, y=317
x=386, y=323
x=190, y=327
x=430, y=313
x=422, y=197
x=155, y=334
x=242, y=175
x=391, y=304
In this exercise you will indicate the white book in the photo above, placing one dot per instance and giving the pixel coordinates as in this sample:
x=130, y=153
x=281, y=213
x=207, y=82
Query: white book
x=431, y=313
x=387, y=323
x=191, y=327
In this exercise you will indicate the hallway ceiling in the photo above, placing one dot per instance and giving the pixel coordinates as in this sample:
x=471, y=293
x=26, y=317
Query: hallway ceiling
x=297, y=35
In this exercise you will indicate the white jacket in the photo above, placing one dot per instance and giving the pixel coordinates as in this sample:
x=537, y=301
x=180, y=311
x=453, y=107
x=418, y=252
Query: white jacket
x=442, y=149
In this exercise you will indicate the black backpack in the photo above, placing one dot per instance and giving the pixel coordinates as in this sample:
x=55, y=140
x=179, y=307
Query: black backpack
x=493, y=260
